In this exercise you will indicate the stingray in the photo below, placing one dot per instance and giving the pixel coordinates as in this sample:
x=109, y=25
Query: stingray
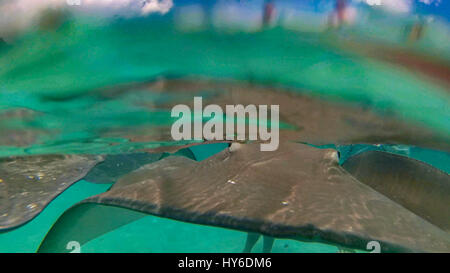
x=114, y=166
x=308, y=119
x=298, y=192
x=29, y=183
x=410, y=183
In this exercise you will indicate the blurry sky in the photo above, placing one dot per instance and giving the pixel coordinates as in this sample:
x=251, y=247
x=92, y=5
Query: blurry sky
x=16, y=15
x=441, y=7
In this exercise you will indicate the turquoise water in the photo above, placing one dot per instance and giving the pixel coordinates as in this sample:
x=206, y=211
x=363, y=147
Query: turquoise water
x=56, y=77
x=28, y=237
x=153, y=235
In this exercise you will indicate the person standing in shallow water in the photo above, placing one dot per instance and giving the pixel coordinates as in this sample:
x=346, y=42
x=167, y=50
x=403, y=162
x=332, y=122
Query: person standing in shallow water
x=340, y=7
x=269, y=12
x=339, y=15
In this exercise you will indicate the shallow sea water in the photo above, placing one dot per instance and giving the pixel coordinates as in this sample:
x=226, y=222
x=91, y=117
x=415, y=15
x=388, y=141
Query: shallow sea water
x=55, y=76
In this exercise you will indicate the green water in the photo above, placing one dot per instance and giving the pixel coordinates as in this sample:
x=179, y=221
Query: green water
x=152, y=234
x=56, y=74
x=28, y=237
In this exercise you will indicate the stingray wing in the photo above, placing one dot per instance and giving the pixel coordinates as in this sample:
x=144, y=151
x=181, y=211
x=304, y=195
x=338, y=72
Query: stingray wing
x=29, y=183
x=413, y=184
x=297, y=192
x=114, y=166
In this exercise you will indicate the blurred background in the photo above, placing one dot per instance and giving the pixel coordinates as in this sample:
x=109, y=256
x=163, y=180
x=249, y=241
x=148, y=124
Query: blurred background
x=95, y=77
x=59, y=58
